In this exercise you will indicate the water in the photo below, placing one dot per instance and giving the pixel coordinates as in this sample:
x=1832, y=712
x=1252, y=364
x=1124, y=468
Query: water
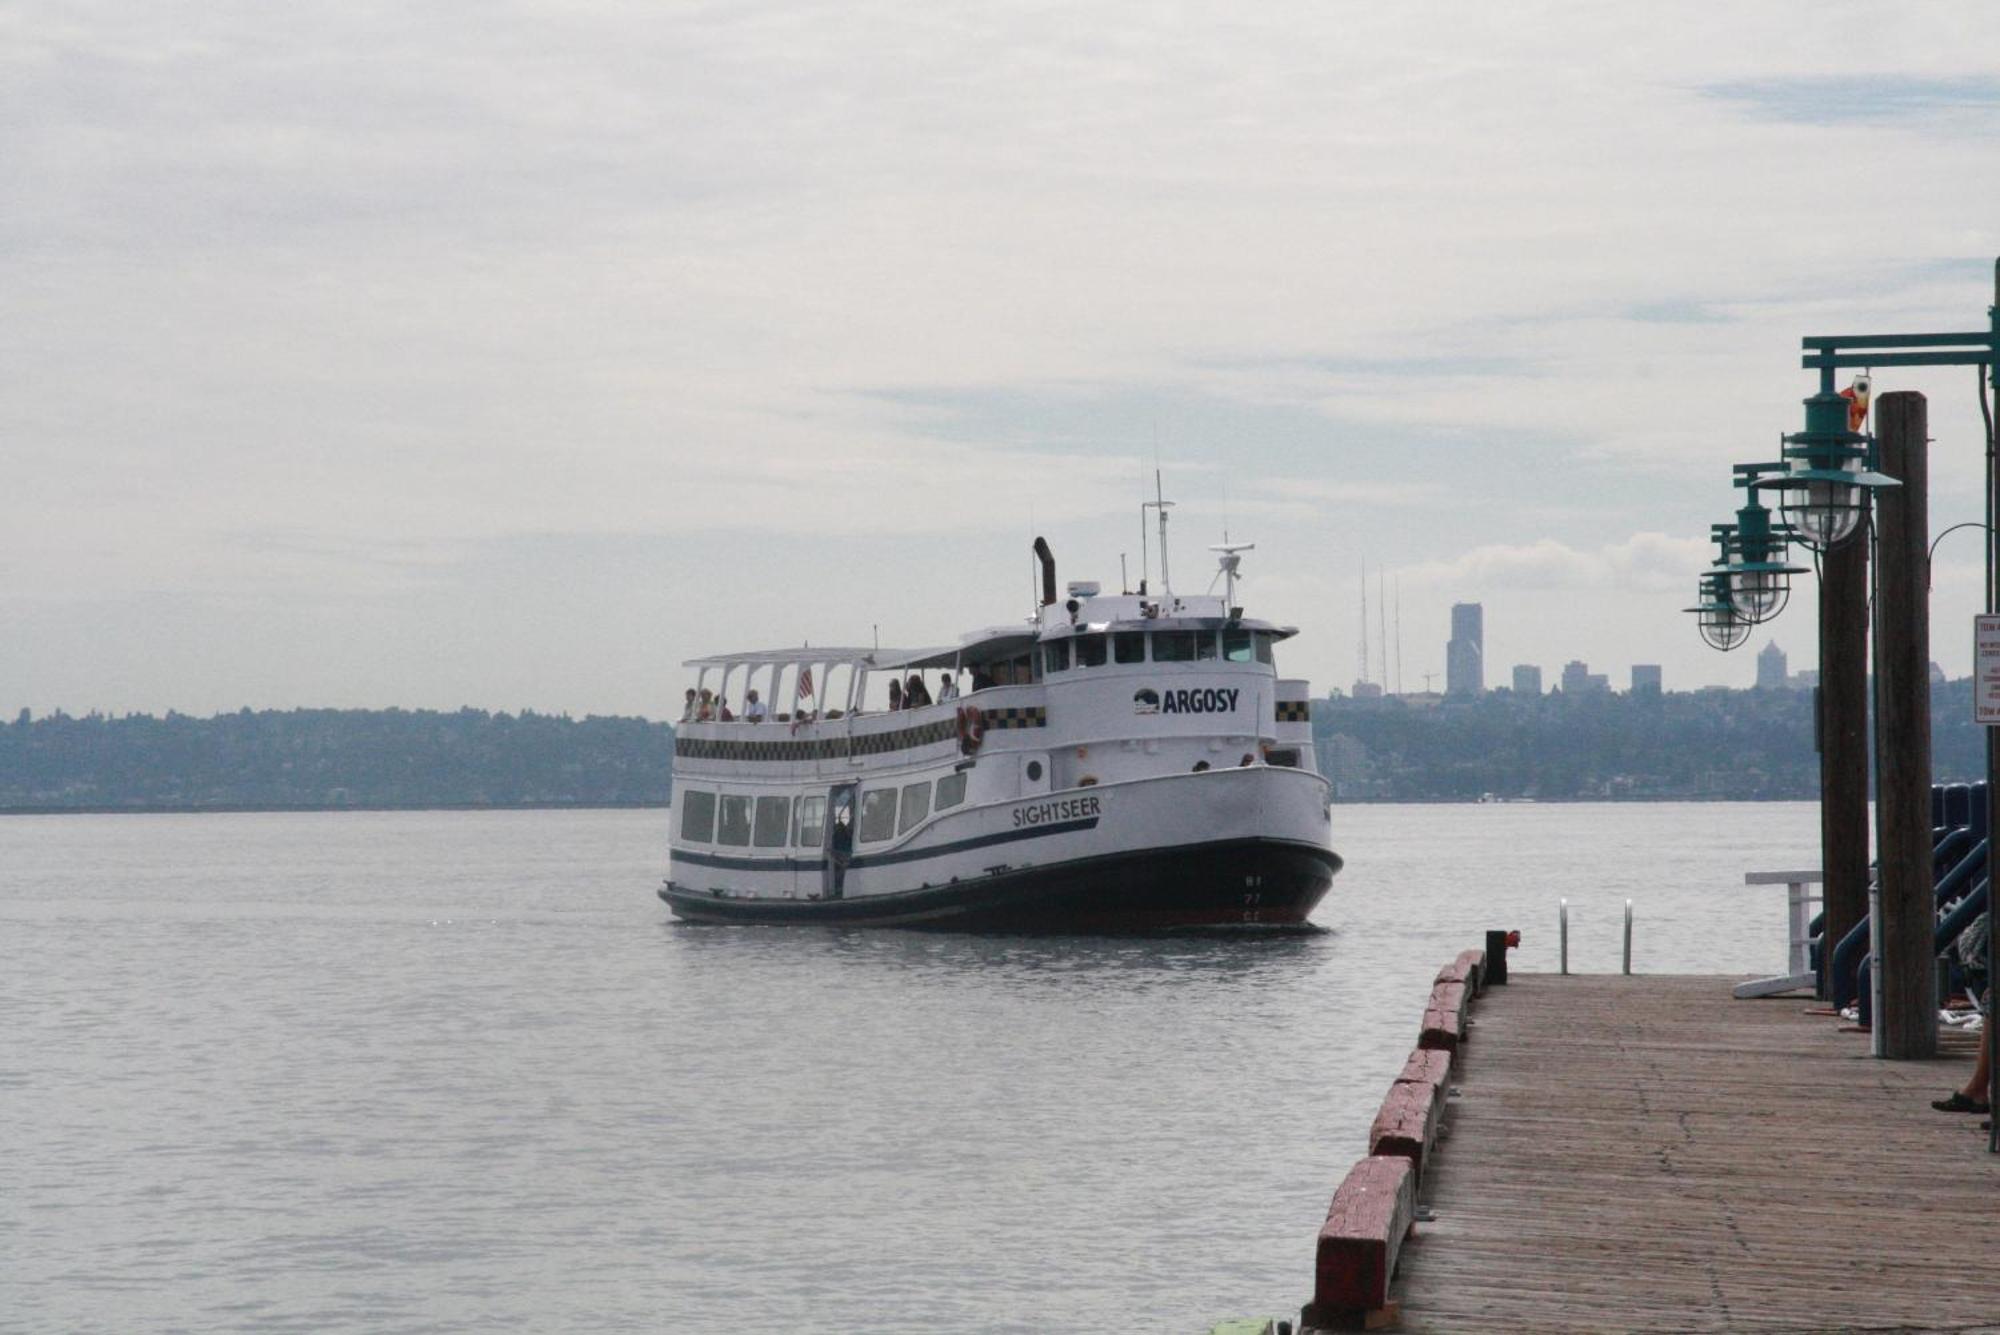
x=406, y=1072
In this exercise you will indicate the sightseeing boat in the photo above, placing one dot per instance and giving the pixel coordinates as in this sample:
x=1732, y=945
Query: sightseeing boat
x=1114, y=763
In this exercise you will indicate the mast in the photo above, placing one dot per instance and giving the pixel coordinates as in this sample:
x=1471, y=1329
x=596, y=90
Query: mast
x=1162, y=504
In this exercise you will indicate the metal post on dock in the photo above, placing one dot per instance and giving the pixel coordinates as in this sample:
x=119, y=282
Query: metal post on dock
x=1628, y=938
x=1562, y=917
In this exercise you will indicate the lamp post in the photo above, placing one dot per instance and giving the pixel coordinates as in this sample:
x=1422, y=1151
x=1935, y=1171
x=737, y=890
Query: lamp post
x=1822, y=505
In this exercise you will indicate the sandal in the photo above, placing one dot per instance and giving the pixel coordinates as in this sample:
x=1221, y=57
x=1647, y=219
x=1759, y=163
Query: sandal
x=1959, y=1103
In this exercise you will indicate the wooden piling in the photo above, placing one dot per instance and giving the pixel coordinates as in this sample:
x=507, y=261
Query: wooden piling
x=1906, y=1025
x=1843, y=739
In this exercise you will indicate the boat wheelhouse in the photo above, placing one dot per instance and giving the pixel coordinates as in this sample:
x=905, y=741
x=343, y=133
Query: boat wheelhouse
x=1116, y=762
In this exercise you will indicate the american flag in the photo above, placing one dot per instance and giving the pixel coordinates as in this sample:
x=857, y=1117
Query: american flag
x=804, y=691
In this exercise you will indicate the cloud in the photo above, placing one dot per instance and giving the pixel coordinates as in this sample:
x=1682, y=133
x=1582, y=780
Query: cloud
x=1653, y=562
x=1876, y=98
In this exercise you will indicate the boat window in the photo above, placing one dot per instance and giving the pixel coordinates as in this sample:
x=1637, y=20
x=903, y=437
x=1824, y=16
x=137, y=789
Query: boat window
x=951, y=790
x=1263, y=638
x=1129, y=646
x=697, y=817
x=772, y=814
x=878, y=815
x=1204, y=646
x=1089, y=651
x=1236, y=645
x=1055, y=656
x=1174, y=646
x=916, y=805
x=809, y=829
x=735, y=821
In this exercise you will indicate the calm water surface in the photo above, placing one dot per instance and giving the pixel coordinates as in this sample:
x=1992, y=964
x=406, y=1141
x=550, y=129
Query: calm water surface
x=415, y=1072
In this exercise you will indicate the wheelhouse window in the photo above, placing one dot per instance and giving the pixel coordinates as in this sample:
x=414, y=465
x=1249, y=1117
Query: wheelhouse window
x=773, y=815
x=916, y=805
x=1175, y=646
x=1204, y=646
x=1263, y=641
x=1089, y=651
x=951, y=790
x=698, y=817
x=735, y=822
x=809, y=826
x=1129, y=646
x=1236, y=646
x=1055, y=656
x=878, y=815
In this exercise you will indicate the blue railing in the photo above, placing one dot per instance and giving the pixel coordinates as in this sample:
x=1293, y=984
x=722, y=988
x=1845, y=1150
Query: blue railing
x=1958, y=870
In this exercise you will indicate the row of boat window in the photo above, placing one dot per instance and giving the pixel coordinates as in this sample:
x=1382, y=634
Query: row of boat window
x=743, y=821
x=1231, y=645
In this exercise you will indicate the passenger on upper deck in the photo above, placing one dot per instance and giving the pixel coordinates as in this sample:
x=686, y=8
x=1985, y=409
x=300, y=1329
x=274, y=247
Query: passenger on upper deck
x=722, y=709
x=688, y=710
x=895, y=694
x=981, y=679
x=753, y=708
x=705, y=711
x=915, y=692
x=947, y=688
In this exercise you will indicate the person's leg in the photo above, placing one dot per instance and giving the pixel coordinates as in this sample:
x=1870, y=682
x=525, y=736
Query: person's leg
x=1982, y=1070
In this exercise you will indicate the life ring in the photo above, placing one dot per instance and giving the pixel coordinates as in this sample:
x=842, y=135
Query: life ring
x=971, y=728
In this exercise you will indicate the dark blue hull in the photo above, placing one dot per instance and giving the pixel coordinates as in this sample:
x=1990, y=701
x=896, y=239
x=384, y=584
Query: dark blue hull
x=1242, y=882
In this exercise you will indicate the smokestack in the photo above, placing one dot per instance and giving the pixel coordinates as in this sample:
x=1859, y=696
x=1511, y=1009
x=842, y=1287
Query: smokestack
x=1048, y=560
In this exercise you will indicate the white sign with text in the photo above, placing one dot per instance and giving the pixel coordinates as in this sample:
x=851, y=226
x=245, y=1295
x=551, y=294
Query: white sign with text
x=1986, y=670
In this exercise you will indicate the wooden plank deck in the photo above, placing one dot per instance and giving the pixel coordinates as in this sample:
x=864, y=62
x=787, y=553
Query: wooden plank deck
x=1647, y=1153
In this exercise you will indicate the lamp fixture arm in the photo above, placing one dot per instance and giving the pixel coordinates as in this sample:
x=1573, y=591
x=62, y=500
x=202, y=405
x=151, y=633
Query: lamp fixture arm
x=1970, y=523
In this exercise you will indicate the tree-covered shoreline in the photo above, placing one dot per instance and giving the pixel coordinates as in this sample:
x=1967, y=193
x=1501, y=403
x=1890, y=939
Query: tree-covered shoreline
x=332, y=759
x=1681, y=746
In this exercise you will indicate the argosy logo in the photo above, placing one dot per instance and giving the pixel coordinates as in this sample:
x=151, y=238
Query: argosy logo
x=1199, y=700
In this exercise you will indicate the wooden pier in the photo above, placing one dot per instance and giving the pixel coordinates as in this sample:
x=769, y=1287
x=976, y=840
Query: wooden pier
x=1647, y=1153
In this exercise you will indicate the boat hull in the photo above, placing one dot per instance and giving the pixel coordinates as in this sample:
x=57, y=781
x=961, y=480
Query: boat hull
x=1253, y=882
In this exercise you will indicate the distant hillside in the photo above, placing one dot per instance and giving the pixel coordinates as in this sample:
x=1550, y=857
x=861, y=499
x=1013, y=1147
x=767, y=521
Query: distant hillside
x=312, y=758
x=1736, y=745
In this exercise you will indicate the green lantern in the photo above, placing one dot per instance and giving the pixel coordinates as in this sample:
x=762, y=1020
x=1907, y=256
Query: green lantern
x=1824, y=491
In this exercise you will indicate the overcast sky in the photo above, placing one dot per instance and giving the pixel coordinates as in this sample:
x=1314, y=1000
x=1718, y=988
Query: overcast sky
x=508, y=354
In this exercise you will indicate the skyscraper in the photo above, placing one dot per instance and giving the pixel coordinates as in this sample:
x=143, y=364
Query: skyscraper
x=1645, y=678
x=1771, y=668
x=1465, y=654
x=1527, y=679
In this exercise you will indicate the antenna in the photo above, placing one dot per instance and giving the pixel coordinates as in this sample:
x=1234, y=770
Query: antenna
x=1124, y=580
x=1399, y=634
x=1364, y=620
x=1162, y=504
x=1382, y=616
x=1145, y=551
